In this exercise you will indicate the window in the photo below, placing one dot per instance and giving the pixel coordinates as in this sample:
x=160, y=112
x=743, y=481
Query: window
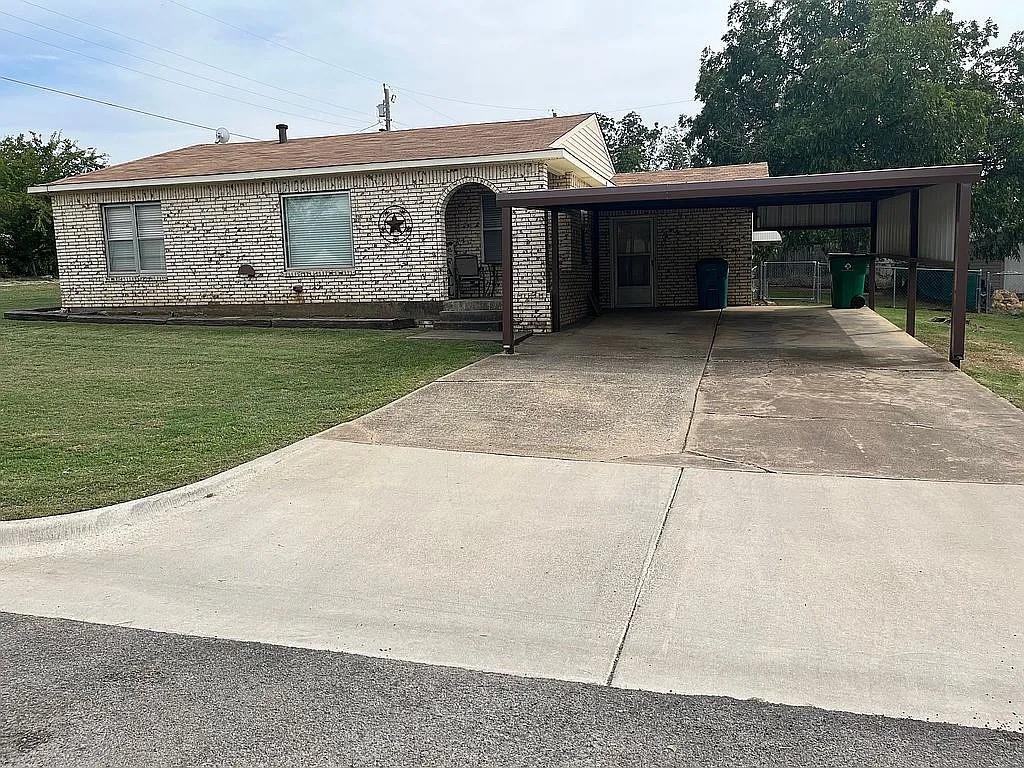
x=318, y=231
x=492, y=228
x=135, y=238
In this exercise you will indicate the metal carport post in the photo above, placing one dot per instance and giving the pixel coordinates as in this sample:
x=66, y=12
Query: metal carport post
x=508, y=337
x=961, y=265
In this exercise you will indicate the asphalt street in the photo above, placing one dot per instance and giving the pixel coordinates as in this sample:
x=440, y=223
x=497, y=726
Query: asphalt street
x=78, y=694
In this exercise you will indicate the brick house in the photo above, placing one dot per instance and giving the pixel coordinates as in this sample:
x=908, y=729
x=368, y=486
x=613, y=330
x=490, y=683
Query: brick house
x=383, y=225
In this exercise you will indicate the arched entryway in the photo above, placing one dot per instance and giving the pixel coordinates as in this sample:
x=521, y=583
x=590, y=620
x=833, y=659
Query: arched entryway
x=472, y=228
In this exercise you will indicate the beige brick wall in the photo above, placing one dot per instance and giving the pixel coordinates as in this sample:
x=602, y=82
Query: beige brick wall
x=574, y=278
x=211, y=229
x=681, y=237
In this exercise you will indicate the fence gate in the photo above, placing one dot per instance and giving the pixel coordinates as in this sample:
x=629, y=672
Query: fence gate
x=791, y=281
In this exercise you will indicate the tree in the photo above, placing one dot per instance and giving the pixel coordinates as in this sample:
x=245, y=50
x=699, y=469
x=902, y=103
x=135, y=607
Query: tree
x=814, y=87
x=635, y=147
x=27, y=245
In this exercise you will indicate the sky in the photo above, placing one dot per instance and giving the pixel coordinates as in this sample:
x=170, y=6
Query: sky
x=318, y=65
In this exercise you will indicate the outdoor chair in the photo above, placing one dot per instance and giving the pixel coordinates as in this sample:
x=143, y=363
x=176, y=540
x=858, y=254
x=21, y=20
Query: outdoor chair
x=466, y=272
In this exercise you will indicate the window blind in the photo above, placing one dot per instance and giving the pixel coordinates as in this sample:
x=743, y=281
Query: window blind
x=135, y=238
x=319, y=231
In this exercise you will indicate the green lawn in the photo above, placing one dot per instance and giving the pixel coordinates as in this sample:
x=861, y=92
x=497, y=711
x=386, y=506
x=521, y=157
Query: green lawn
x=994, y=348
x=96, y=414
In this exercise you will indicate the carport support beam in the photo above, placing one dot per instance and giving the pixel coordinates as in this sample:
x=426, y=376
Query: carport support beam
x=595, y=264
x=556, y=298
x=873, y=249
x=961, y=264
x=915, y=232
x=507, y=334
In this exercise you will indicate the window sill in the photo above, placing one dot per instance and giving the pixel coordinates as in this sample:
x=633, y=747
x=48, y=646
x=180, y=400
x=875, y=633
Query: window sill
x=133, y=277
x=293, y=272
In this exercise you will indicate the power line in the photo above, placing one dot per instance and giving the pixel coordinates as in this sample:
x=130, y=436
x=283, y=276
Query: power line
x=166, y=80
x=159, y=64
x=186, y=58
x=651, y=106
x=353, y=72
x=427, y=106
x=118, y=106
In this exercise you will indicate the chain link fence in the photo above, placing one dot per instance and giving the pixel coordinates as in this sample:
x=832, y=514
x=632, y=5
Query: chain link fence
x=795, y=282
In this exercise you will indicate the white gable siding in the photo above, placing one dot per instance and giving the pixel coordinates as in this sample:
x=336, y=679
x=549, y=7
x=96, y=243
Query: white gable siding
x=586, y=144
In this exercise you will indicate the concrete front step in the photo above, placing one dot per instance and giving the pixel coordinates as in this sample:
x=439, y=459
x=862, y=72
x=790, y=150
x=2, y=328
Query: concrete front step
x=473, y=305
x=467, y=325
x=492, y=315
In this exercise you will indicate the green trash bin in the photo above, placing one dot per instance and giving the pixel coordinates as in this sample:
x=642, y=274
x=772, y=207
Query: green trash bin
x=849, y=274
x=712, y=283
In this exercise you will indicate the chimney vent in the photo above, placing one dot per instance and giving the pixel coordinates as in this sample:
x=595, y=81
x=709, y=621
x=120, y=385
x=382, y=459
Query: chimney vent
x=282, y=133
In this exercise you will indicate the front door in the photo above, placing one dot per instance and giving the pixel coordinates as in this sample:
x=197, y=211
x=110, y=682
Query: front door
x=633, y=251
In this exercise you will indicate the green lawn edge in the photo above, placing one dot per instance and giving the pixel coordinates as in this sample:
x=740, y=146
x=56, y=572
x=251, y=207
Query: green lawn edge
x=99, y=414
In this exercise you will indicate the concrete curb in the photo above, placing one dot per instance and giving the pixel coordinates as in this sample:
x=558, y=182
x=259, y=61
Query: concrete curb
x=54, y=529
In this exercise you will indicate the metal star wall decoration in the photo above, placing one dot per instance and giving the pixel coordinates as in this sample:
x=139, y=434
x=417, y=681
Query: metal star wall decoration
x=395, y=223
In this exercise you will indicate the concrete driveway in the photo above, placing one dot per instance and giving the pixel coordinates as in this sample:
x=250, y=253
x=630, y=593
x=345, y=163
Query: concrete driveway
x=576, y=512
x=781, y=389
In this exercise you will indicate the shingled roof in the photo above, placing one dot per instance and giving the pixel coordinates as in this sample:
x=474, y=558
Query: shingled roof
x=713, y=173
x=473, y=140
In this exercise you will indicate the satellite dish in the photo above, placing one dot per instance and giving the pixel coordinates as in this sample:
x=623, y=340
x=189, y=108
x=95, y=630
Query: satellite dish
x=222, y=136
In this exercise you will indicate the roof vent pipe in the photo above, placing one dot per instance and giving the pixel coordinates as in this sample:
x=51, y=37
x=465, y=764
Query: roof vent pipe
x=282, y=133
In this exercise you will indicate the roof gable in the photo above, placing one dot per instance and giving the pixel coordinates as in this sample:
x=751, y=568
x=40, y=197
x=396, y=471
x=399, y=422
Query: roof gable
x=585, y=143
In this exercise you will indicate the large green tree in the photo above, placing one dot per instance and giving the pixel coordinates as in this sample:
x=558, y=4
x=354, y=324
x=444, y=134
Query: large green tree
x=635, y=146
x=814, y=86
x=26, y=221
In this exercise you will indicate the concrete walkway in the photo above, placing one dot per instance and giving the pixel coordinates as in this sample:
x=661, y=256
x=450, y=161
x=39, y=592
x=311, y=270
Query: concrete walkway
x=610, y=545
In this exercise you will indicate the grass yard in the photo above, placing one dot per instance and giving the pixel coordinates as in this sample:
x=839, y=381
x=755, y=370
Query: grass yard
x=96, y=414
x=994, y=348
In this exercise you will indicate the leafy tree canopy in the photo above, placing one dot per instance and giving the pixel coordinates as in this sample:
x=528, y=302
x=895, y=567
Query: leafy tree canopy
x=26, y=221
x=636, y=147
x=814, y=86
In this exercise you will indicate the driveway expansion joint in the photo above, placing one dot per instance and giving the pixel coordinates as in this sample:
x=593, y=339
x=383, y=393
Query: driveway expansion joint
x=642, y=580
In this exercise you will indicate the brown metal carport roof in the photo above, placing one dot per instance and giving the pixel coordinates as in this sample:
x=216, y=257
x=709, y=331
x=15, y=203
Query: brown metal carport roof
x=772, y=190
x=888, y=185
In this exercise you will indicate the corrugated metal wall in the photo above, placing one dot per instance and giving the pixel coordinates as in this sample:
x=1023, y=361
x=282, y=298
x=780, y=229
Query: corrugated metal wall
x=936, y=224
x=814, y=216
x=894, y=226
x=937, y=228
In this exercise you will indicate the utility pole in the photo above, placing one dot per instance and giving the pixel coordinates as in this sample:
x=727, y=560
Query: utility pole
x=384, y=108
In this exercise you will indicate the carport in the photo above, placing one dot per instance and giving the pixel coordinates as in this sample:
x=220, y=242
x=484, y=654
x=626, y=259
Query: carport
x=920, y=216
